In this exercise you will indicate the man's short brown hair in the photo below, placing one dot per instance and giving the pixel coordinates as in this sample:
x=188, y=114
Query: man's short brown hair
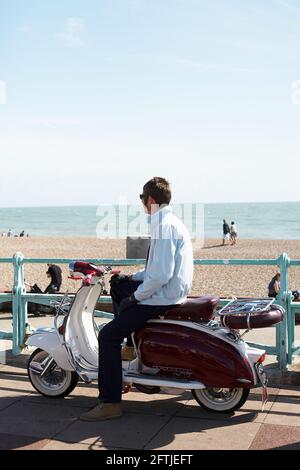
x=159, y=189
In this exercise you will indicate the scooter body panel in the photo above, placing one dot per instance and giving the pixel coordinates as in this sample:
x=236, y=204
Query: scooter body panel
x=49, y=341
x=176, y=353
x=194, y=353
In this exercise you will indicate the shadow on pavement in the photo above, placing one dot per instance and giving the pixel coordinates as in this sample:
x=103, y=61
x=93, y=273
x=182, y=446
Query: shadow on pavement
x=29, y=420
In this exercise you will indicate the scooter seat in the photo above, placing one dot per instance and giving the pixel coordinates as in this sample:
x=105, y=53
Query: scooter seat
x=198, y=309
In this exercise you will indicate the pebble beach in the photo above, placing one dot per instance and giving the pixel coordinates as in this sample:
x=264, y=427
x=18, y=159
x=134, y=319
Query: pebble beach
x=224, y=281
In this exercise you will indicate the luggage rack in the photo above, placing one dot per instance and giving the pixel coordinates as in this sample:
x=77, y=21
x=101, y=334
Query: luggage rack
x=243, y=306
x=249, y=314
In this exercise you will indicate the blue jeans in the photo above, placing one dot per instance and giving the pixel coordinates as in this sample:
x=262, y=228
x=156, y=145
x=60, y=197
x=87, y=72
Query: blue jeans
x=110, y=339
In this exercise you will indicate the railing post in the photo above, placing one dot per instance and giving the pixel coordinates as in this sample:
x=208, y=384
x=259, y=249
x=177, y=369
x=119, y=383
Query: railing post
x=22, y=304
x=18, y=287
x=282, y=330
x=290, y=327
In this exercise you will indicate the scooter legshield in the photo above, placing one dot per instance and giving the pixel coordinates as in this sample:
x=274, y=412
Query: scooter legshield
x=183, y=352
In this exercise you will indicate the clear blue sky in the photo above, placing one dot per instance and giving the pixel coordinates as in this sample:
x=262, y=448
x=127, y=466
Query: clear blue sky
x=101, y=95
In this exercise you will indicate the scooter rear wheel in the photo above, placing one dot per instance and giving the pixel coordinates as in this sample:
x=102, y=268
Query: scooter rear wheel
x=221, y=400
x=57, y=383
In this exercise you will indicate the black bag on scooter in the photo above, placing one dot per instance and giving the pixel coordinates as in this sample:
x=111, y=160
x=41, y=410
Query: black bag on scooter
x=32, y=307
x=120, y=288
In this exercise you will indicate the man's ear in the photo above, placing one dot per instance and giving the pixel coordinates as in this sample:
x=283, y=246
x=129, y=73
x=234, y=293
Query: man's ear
x=151, y=200
x=152, y=205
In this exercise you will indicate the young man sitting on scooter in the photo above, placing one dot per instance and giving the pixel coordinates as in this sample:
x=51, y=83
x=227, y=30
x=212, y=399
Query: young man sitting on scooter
x=164, y=283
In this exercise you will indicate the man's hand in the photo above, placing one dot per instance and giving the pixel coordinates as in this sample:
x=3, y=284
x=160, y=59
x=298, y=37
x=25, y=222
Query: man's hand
x=127, y=303
x=118, y=278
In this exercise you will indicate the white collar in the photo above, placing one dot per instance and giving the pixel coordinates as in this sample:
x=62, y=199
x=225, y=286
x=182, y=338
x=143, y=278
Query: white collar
x=157, y=217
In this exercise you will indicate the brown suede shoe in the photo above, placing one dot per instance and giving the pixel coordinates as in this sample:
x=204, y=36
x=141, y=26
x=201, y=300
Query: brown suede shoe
x=103, y=411
x=128, y=353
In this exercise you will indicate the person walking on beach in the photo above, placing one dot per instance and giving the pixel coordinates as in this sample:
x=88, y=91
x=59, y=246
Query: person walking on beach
x=274, y=286
x=164, y=283
x=233, y=233
x=226, y=231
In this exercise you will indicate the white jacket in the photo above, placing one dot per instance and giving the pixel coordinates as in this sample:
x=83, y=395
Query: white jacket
x=168, y=275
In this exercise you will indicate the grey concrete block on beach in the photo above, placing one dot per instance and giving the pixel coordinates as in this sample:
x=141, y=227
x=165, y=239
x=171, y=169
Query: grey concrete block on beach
x=137, y=247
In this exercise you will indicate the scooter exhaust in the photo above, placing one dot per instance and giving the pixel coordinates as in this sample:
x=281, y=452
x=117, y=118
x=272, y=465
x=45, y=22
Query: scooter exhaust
x=163, y=382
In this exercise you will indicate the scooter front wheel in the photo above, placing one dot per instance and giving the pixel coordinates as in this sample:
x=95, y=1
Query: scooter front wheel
x=221, y=400
x=56, y=382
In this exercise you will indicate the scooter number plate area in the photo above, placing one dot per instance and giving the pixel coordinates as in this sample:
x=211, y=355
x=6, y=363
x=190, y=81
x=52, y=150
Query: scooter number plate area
x=262, y=376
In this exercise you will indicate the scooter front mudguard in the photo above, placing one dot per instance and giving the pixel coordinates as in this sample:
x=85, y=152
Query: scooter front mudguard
x=48, y=341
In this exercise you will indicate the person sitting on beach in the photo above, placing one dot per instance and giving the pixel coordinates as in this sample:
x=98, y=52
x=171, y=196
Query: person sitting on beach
x=296, y=295
x=233, y=233
x=10, y=233
x=164, y=283
x=226, y=231
x=55, y=273
x=274, y=286
x=22, y=234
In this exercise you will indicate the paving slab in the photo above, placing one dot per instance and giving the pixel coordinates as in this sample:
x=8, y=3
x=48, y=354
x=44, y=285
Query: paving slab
x=70, y=401
x=12, y=391
x=8, y=399
x=16, y=381
x=251, y=411
x=29, y=419
x=272, y=436
x=159, y=404
x=133, y=402
x=83, y=389
x=160, y=421
x=200, y=434
x=132, y=431
x=61, y=445
x=17, y=442
x=286, y=409
x=290, y=390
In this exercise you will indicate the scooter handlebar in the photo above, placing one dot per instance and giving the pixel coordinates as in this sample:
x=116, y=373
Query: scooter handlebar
x=86, y=269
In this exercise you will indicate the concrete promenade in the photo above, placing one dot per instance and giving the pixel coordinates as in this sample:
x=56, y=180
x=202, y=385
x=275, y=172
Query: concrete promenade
x=153, y=422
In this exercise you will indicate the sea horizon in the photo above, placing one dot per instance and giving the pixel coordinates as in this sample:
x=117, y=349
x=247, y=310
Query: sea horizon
x=254, y=220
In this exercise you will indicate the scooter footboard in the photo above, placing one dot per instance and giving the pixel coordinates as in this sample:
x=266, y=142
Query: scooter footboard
x=49, y=342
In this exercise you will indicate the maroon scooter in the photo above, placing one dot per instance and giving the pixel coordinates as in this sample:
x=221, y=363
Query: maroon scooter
x=190, y=347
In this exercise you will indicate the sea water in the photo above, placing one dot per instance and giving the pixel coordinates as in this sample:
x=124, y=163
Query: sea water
x=276, y=220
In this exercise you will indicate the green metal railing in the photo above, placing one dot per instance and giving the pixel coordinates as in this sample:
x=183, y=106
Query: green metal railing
x=284, y=348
